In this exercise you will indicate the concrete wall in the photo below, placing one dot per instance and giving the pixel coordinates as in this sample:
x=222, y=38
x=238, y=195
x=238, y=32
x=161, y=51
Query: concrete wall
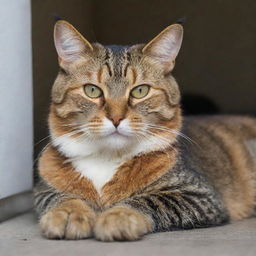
x=16, y=132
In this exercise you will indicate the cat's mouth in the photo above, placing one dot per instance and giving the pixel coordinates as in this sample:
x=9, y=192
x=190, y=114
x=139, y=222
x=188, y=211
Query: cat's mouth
x=117, y=133
x=117, y=140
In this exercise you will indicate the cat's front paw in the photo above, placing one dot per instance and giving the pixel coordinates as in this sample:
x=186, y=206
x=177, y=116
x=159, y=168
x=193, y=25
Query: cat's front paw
x=70, y=220
x=121, y=223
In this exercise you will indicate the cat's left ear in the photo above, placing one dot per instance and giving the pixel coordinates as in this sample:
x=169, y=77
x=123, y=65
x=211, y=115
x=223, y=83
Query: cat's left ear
x=69, y=43
x=165, y=47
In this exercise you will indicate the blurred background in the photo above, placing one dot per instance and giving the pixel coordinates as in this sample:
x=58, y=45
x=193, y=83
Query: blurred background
x=216, y=67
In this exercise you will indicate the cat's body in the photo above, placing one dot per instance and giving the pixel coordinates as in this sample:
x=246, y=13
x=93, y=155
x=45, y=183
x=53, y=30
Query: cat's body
x=121, y=164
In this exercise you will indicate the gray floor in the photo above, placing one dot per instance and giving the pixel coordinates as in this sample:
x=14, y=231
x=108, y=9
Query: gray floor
x=21, y=236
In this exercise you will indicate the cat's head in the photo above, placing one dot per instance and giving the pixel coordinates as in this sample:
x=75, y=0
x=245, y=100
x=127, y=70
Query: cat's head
x=114, y=98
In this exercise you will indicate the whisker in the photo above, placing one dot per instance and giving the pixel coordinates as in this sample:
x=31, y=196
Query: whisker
x=164, y=139
x=156, y=139
x=173, y=132
x=41, y=152
x=42, y=140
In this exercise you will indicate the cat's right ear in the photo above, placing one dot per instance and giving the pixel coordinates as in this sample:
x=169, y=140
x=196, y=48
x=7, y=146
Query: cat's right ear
x=165, y=47
x=69, y=43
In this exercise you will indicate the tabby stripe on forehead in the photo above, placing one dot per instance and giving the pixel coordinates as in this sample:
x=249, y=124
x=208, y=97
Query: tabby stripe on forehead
x=134, y=74
x=99, y=75
x=123, y=62
x=118, y=64
x=109, y=69
x=107, y=59
x=113, y=61
x=127, y=64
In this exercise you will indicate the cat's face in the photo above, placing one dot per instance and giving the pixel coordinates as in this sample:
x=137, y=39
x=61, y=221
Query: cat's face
x=115, y=98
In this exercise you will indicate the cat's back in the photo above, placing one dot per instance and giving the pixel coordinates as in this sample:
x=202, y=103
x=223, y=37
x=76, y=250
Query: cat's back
x=224, y=149
x=222, y=136
x=243, y=126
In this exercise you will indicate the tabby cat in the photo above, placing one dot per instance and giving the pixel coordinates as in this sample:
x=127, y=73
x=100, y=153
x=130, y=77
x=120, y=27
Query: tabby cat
x=122, y=162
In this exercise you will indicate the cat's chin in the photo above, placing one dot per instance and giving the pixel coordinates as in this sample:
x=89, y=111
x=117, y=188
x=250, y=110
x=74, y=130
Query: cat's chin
x=117, y=141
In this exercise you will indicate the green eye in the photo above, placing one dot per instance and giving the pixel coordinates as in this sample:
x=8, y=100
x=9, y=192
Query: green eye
x=92, y=91
x=140, y=91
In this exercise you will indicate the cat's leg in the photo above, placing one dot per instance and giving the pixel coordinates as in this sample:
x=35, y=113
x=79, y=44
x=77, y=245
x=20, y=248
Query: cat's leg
x=159, y=211
x=62, y=216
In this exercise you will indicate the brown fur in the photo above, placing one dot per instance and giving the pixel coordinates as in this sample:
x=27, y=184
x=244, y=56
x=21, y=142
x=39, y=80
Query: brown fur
x=240, y=199
x=72, y=219
x=136, y=174
x=62, y=176
x=234, y=177
x=120, y=223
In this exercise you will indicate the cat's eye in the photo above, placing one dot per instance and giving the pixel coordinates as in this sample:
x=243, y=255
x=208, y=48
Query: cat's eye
x=140, y=91
x=92, y=91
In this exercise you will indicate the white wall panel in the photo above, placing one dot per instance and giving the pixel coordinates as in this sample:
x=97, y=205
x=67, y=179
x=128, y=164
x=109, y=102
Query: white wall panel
x=16, y=144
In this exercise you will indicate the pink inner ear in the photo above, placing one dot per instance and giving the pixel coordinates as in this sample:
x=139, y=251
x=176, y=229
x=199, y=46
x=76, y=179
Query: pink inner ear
x=58, y=40
x=69, y=43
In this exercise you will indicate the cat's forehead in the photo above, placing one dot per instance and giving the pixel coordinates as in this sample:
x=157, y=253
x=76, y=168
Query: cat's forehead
x=118, y=60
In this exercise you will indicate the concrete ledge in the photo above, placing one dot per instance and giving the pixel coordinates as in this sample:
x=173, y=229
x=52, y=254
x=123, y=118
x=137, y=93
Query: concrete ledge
x=16, y=204
x=21, y=236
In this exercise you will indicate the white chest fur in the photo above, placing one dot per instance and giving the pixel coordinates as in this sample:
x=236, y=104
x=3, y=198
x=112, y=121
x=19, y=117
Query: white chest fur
x=98, y=170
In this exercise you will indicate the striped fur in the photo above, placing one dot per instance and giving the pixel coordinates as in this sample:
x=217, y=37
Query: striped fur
x=179, y=175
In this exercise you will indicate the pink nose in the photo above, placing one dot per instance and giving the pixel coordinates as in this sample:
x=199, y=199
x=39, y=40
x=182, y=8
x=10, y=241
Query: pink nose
x=116, y=120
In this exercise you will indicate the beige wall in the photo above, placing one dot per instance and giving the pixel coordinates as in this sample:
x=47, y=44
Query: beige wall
x=218, y=57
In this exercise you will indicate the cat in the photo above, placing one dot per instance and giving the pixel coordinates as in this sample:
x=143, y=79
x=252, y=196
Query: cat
x=122, y=161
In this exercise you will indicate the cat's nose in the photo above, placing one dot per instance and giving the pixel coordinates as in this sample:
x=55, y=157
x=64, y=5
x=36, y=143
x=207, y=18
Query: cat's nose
x=116, y=120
